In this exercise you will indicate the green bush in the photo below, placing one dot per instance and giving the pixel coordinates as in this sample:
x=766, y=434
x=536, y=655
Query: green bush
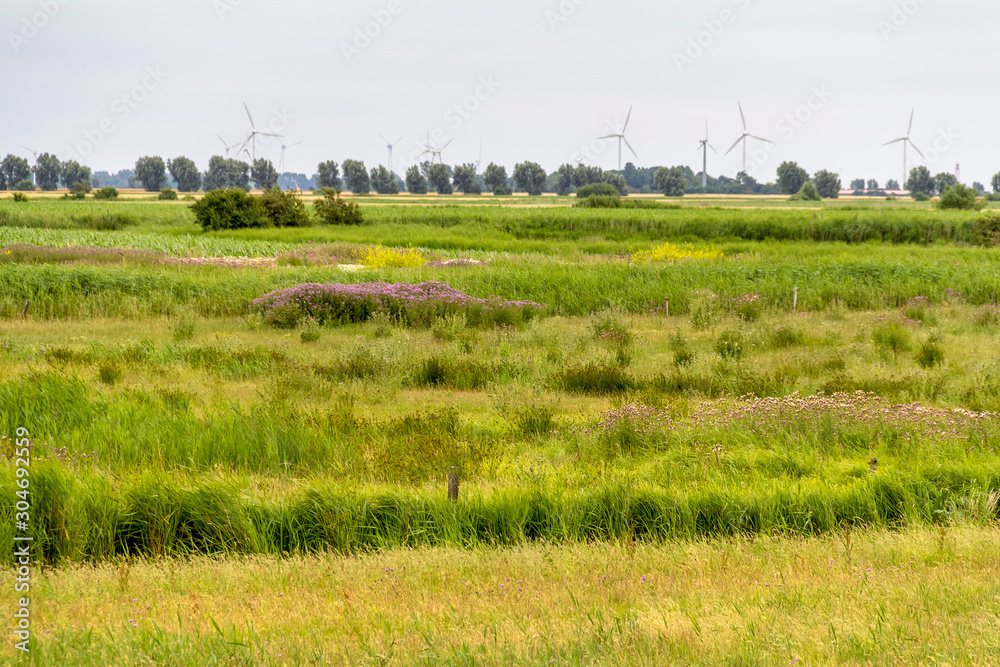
x=166, y=194
x=930, y=354
x=597, y=190
x=20, y=197
x=808, y=192
x=106, y=193
x=229, y=209
x=25, y=185
x=961, y=198
x=921, y=196
x=987, y=231
x=333, y=210
x=285, y=209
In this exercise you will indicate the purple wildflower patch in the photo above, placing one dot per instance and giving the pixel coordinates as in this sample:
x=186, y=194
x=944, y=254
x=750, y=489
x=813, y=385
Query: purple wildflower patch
x=416, y=305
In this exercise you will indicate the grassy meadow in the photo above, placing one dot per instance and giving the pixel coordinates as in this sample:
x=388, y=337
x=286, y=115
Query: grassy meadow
x=706, y=431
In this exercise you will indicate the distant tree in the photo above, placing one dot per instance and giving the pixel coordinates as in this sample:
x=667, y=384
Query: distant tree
x=73, y=173
x=892, y=184
x=285, y=209
x=827, y=184
x=416, y=183
x=356, y=177
x=495, y=178
x=224, y=173
x=465, y=181
x=748, y=184
x=670, y=182
x=530, y=177
x=439, y=179
x=791, y=177
x=185, y=172
x=585, y=175
x=920, y=181
x=807, y=192
x=618, y=181
x=564, y=180
x=872, y=184
x=13, y=170
x=48, y=170
x=996, y=183
x=979, y=187
x=328, y=175
x=151, y=172
x=943, y=181
x=858, y=184
x=959, y=196
x=383, y=181
x=333, y=210
x=263, y=174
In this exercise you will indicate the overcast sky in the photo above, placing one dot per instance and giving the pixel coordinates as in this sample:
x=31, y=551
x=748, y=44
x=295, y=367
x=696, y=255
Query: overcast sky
x=108, y=81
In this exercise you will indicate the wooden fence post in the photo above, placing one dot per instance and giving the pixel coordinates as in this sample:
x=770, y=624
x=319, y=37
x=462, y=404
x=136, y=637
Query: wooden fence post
x=453, y=485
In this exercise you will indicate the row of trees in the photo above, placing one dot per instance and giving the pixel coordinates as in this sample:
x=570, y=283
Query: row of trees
x=49, y=173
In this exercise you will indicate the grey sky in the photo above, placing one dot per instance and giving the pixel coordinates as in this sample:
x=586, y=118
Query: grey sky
x=533, y=80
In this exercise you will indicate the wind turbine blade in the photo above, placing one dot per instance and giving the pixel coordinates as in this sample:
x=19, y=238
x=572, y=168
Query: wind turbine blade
x=753, y=136
x=610, y=136
x=630, y=148
x=248, y=115
x=713, y=149
x=627, y=118
x=742, y=117
x=383, y=139
x=896, y=141
x=295, y=144
x=735, y=145
x=268, y=134
x=910, y=128
x=916, y=149
x=397, y=141
x=445, y=146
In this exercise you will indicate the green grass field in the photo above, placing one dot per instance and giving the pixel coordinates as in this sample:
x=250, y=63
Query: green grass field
x=729, y=424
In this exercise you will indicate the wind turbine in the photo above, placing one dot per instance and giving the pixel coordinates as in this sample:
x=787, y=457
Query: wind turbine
x=906, y=140
x=704, y=146
x=480, y=160
x=254, y=132
x=621, y=137
x=433, y=150
x=389, y=145
x=228, y=147
x=746, y=135
x=281, y=163
x=35, y=153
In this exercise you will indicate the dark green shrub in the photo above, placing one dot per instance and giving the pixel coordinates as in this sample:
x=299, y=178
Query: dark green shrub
x=807, y=192
x=77, y=191
x=110, y=373
x=285, y=209
x=25, y=185
x=106, y=193
x=921, y=196
x=987, y=231
x=930, y=354
x=20, y=197
x=166, y=194
x=229, y=209
x=597, y=190
x=333, y=210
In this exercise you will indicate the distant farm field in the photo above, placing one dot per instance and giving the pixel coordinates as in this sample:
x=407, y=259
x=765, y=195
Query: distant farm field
x=713, y=429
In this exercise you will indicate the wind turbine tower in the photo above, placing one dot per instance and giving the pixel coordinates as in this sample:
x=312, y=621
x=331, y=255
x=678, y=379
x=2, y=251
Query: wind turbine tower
x=620, y=136
x=906, y=140
x=743, y=138
x=704, y=146
x=389, y=145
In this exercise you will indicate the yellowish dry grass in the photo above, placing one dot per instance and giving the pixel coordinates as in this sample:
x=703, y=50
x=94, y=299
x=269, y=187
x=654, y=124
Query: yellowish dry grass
x=913, y=598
